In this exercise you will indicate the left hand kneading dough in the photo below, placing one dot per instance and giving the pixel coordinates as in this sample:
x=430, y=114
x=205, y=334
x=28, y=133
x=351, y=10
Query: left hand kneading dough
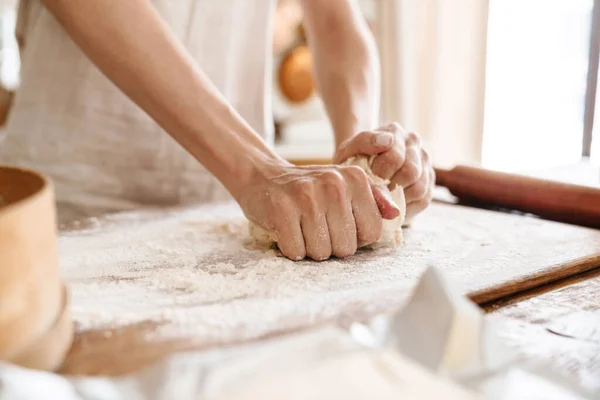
x=392, y=229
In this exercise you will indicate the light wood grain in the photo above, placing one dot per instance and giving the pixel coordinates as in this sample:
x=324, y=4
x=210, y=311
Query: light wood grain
x=559, y=328
x=490, y=254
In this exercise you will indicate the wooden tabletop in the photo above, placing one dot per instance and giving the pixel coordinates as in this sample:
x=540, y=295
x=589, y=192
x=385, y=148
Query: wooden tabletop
x=556, y=322
x=558, y=325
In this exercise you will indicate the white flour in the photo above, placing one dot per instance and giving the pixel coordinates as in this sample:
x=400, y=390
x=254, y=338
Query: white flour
x=195, y=273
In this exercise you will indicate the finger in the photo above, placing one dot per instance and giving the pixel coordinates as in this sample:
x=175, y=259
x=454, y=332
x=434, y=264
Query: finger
x=369, y=225
x=412, y=139
x=394, y=127
x=387, y=164
x=316, y=236
x=290, y=240
x=411, y=169
x=419, y=189
x=342, y=230
x=388, y=209
x=365, y=143
x=419, y=206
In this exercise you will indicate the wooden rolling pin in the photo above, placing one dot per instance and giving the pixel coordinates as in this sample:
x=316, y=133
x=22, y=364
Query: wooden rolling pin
x=552, y=200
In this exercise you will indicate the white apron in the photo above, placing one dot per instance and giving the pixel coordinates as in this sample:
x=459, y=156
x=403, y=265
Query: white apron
x=105, y=154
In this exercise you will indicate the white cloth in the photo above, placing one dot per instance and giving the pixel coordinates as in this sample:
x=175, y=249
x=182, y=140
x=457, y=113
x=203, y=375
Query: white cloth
x=105, y=154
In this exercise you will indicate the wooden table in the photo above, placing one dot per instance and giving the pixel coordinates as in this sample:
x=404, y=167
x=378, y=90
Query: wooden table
x=558, y=323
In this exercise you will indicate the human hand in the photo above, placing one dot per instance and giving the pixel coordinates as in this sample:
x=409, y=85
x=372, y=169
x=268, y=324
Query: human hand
x=400, y=158
x=317, y=211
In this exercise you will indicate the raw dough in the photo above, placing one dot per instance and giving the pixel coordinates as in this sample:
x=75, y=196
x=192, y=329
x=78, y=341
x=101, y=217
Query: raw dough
x=392, y=229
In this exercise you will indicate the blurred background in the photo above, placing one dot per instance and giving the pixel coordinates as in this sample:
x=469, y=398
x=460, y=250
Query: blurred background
x=508, y=84
x=502, y=83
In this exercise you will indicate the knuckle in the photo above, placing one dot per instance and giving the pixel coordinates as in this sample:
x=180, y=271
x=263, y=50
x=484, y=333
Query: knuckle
x=318, y=254
x=305, y=195
x=413, y=138
x=386, y=165
x=425, y=156
x=292, y=247
x=420, y=189
x=303, y=187
x=413, y=169
x=355, y=173
x=334, y=184
x=344, y=251
x=395, y=126
x=373, y=232
x=395, y=159
x=283, y=205
x=333, y=177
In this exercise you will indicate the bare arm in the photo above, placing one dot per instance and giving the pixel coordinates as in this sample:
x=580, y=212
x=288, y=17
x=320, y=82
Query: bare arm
x=346, y=64
x=308, y=211
x=348, y=73
x=131, y=44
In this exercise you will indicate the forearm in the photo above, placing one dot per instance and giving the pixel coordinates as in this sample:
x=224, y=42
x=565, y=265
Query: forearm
x=346, y=65
x=134, y=48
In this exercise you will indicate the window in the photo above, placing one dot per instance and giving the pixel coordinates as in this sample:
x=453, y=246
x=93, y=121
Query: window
x=537, y=66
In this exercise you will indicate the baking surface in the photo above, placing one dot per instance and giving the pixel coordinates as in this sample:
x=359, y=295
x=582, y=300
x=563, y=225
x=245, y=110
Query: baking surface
x=149, y=283
x=560, y=328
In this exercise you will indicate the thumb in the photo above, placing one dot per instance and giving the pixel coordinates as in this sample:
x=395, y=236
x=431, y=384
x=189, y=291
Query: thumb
x=387, y=207
x=366, y=143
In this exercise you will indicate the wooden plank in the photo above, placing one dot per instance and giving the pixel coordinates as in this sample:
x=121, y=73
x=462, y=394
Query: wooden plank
x=538, y=279
x=559, y=328
x=148, y=283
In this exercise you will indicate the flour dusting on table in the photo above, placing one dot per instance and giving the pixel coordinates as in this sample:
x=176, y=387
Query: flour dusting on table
x=195, y=274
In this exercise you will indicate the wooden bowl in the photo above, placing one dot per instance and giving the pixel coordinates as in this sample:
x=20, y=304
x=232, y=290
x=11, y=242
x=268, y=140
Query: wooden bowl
x=48, y=351
x=30, y=287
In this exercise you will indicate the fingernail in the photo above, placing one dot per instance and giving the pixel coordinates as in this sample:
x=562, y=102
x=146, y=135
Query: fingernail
x=384, y=139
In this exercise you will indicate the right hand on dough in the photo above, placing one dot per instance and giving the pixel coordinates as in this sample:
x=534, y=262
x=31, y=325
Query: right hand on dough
x=318, y=211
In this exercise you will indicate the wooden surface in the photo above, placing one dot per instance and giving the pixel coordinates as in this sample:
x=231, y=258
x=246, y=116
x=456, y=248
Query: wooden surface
x=492, y=255
x=30, y=286
x=560, y=327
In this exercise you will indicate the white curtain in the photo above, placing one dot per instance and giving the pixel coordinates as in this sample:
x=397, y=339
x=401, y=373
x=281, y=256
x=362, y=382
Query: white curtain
x=433, y=72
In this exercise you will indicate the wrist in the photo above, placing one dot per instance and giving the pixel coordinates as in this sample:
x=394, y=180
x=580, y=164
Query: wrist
x=255, y=168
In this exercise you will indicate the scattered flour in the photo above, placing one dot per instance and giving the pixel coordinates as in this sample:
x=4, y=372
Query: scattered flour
x=194, y=272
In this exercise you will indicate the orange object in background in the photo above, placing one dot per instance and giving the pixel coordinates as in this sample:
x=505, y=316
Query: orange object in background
x=296, y=80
